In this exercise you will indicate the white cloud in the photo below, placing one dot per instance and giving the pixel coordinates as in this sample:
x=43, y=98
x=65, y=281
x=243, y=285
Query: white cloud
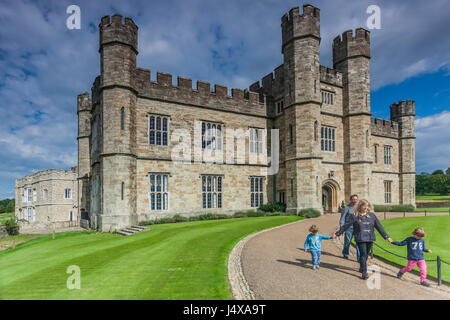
x=432, y=143
x=43, y=65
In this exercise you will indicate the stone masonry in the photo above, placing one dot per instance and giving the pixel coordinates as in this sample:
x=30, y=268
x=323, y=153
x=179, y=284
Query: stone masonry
x=47, y=197
x=132, y=126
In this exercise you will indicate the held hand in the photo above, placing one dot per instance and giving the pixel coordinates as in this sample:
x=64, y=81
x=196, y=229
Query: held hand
x=429, y=251
x=390, y=240
x=333, y=236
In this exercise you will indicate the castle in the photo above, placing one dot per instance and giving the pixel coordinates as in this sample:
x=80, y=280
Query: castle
x=329, y=144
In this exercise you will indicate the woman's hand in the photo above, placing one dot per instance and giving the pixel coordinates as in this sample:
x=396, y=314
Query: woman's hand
x=390, y=240
x=429, y=251
x=333, y=236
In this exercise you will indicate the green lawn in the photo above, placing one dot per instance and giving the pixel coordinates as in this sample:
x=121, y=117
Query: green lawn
x=432, y=209
x=432, y=197
x=170, y=261
x=437, y=229
x=6, y=216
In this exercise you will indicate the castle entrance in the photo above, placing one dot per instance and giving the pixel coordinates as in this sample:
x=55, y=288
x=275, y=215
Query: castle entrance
x=330, y=196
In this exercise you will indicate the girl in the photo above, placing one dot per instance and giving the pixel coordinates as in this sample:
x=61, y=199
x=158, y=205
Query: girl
x=415, y=249
x=364, y=222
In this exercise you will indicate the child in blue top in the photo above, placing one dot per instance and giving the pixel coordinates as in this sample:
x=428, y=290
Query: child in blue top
x=314, y=241
x=415, y=249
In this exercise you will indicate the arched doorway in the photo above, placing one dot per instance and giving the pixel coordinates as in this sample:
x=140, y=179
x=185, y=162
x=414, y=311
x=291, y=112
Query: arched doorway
x=330, y=196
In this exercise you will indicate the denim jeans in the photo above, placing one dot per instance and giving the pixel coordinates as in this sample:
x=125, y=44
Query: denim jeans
x=347, y=240
x=364, y=249
x=315, y=255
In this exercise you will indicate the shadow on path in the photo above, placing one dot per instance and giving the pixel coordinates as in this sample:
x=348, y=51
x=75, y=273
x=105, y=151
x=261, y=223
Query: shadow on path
x=308, y=265
x=327, y=254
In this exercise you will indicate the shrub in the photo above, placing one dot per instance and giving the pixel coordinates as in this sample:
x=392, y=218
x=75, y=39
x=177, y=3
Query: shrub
x=393, y=208
x=309, y=213
x=273, y=207
x=251, y=213
x=288, y=213
x=272, y=214
x=11, y=227
x=239, y=214
x=178, y=218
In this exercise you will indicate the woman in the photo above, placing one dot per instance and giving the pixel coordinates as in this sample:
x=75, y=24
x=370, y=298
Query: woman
x=363, y=221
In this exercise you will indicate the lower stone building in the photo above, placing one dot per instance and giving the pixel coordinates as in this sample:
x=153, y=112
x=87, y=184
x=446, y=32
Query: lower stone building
x=47, y=199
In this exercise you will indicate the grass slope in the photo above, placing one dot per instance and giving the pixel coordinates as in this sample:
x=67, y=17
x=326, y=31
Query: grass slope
x=6, y=216
x=433, y=197
x=170, y=261
x=437, y=229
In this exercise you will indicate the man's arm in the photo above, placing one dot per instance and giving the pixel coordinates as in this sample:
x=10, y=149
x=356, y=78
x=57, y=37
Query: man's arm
x=345, y=226
x=343, y=214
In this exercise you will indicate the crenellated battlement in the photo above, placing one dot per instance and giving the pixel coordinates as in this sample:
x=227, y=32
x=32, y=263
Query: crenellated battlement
x=349, y=45
x=47, y=174
x=244, y=101
x=295, y=25
x=113, y=30
x=329, y=75
x=402, y=108
x=271, y=84
x=384, y=127
x=84, y=103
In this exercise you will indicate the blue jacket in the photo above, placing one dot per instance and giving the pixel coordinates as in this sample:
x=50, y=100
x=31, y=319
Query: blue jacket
x=315, y=241
x=416, y=247
x=345, y=215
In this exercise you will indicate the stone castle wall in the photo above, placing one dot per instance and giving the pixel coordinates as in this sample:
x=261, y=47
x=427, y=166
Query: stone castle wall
x=53, y=209
x=116, y=158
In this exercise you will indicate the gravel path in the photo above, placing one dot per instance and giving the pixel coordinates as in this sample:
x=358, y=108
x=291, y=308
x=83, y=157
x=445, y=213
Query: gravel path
x=275, y=266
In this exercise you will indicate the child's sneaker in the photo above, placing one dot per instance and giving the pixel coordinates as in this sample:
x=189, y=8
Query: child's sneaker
x=399, y=274
x=426, y=284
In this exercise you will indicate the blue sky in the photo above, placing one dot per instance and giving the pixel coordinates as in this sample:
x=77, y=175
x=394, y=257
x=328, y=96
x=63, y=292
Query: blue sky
x=43, y=65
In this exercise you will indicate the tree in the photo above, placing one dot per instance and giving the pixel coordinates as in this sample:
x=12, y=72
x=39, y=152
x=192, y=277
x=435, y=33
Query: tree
x=440, y=183
x=437, y=172
x=423, y=183
x=10, y=207
x=447, y=171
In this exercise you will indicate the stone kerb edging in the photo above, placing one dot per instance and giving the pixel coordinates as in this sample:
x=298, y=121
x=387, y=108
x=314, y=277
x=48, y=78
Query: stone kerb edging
x=240, y=289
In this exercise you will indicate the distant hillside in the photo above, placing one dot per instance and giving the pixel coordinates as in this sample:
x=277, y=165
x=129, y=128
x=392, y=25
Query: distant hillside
x=6, y=205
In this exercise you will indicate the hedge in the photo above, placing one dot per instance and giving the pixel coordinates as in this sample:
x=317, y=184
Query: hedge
x=214, y=216
x=273, y=207
x=309, y=213
x=393, y=208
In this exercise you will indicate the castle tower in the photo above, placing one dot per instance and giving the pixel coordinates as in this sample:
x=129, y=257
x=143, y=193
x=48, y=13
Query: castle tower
x=300, y=48
x=351, y=55
x=404, y=113
x=84, y=107
x=118, y=51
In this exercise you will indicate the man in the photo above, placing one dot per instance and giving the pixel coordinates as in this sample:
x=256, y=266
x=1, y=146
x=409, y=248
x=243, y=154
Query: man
x=345, y=216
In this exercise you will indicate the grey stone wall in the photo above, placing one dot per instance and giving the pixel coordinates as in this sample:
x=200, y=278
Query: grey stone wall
x=125, y=156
